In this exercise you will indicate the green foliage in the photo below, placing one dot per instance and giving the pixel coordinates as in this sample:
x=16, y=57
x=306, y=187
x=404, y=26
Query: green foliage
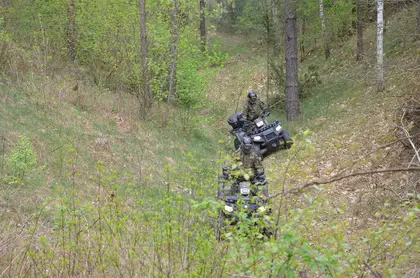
x=192, y=84
x=253, y=16
x=108, y=43
x=22, y=159
x=310, y=79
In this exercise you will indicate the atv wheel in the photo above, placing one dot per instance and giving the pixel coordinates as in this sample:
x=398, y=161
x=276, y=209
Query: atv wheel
x=258, y=150
x=287, y=140
x=236, y=143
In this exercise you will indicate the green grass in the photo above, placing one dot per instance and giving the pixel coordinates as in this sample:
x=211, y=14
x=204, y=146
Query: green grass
x=347, y=118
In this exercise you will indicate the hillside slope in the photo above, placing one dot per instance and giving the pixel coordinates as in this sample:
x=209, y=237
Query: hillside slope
x=353, y=130
x=111, y=195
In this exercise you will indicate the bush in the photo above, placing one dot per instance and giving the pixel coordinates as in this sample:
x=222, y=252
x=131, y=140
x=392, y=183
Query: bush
x=22, y=159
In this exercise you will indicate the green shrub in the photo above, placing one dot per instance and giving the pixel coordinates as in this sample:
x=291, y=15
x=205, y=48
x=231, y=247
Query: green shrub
x=22, y=159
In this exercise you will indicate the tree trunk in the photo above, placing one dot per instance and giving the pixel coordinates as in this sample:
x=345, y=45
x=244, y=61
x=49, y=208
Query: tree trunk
x=359, y=27
x=380, y=84
x=324, y=29
x=292, y=85
x=268, y=40
x=173, y=50
x=144, y=56
x=72, y=36
x=203, y=34
x=276, y=62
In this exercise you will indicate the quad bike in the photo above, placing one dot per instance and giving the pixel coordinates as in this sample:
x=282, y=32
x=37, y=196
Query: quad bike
x=248, y=197
x=267, y=138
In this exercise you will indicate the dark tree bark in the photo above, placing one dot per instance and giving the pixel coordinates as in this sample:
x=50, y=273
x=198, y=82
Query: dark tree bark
x=173, y=50
x=203, y=34
x=292, y=85
x=359, y=27
x=72, y=29
x=147, y=96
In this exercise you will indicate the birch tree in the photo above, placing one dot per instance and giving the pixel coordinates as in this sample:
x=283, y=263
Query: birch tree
x=324, y=29
x=380, y=83
x=144, y=55
x=292, y=85
x=359, y=27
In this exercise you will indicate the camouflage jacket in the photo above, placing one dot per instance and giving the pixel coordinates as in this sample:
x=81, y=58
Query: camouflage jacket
x=252, y=161
x=252, y=111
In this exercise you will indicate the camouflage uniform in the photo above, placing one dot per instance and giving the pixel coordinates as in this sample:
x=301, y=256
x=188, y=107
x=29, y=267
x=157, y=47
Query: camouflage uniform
x=252, y=110
x=252, y=161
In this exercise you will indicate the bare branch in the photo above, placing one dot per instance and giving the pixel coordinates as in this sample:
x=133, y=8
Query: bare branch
x=375, y=274
x=409, y=139
x=339, y=177
x=398, y=140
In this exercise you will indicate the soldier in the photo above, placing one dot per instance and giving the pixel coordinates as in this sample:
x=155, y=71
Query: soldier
x=250, y=159
x=224, y=180
x=253, y=107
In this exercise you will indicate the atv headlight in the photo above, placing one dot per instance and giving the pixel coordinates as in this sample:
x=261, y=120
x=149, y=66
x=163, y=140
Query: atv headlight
x=257, y=138
x=278, y=128
x=261, y=209
x=228, y=208
x=259, y=123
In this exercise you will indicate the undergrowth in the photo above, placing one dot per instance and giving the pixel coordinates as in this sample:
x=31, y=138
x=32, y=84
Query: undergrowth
x=101, y=193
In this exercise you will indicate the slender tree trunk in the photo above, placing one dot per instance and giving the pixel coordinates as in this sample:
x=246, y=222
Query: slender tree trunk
x=72, y=36
x=359, y=27
x=276, y=62
x=173, y=50
x=144, y=55
x=292, y=85
x=324, y=29
x=268, y=11
x=203, y=35
x=302, y=41
x=276, y=30
x=380, y=83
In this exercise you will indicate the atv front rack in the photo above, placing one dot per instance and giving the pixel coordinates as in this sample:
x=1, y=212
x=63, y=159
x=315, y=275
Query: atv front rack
x=272, y=125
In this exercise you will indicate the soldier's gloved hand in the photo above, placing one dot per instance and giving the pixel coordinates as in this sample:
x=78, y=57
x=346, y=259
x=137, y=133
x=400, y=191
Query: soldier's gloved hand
x=261, y=177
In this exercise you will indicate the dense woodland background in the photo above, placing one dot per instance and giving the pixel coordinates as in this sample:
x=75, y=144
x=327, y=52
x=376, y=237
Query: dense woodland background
x=113, y=128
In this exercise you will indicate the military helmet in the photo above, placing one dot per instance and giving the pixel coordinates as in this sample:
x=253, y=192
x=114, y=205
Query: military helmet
x=246, y=144
x=252, y=96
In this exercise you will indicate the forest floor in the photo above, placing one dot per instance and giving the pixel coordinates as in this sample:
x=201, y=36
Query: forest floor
x=352, y=128
x=345, y=128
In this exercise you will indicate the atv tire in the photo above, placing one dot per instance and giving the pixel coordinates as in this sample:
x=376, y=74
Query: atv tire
x=237, y=144
x=287, y=140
